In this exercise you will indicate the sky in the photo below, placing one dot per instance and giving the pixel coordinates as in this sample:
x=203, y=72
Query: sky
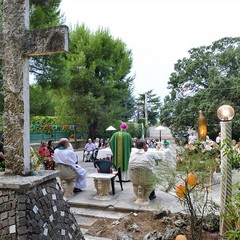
x=158, y=32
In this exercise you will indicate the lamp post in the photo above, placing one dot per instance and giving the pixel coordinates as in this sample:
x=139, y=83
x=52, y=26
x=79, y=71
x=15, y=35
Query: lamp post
x=160, y=128
x=225, y=113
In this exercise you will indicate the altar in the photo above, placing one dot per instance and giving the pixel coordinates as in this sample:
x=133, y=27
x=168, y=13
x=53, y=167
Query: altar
x=104, y=153
x=153, y=152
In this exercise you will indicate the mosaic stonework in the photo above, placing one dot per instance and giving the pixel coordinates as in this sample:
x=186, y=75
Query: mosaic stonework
x=38, y=212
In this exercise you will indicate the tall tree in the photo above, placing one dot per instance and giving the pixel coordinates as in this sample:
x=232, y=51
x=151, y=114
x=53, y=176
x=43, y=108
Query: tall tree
x=150, y=102
x=206, y=80
x=100, y=88
x=45, y=14
x=41, y=101
x=48, y=70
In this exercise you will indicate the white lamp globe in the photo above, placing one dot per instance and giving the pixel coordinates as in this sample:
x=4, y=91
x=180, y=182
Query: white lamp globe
x=225, y=113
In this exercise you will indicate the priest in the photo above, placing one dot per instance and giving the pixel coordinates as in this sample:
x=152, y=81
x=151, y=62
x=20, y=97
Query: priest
x=121, y=146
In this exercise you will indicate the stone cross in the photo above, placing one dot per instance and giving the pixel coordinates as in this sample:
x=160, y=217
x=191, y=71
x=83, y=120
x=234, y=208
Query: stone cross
x=19, y=43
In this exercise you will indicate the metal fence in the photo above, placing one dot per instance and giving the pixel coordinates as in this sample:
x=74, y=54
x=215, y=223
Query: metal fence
x=37, y=137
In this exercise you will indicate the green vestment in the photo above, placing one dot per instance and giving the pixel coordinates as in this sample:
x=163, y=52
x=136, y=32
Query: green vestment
x=121, y=146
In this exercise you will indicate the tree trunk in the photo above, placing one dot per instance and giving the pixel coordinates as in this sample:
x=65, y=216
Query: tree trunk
x=92, y=130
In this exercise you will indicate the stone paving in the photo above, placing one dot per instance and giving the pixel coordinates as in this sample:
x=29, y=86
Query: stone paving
x=83, y=204
x=124, y=200
x=87, y=209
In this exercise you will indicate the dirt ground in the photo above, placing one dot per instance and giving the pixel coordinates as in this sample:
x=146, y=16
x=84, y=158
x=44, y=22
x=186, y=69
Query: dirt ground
x=146, y=223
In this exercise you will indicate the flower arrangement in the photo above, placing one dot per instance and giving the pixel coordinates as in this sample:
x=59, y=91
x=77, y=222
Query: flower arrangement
x=199, y=156
x=35, y=161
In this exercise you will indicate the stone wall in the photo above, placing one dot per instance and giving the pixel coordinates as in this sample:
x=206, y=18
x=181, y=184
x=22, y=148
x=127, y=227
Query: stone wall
x=35, y=208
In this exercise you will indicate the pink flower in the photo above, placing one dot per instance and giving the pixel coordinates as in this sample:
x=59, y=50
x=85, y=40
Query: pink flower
x=191, y=147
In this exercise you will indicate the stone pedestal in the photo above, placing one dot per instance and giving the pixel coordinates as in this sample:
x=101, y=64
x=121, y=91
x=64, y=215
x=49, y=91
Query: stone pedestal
x=34, y=208
x=143, y=184
x=67, y=177
x=102, y=185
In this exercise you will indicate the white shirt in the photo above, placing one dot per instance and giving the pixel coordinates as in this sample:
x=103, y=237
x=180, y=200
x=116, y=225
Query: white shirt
x=140, y=158
x=70, y=146
x=65, y=156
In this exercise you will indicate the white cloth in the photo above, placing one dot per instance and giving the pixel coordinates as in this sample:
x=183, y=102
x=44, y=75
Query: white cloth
x=125, y=176
x=140, y=158
x=68, y=157
x=218, y=139
x=88, y=154
x=192, y=138
x=70, y=146
x=104, y=153
x=96, y=144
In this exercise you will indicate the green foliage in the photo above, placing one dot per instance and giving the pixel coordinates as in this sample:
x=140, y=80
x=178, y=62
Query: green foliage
x=44, y=14
x=166, y=174
x=199, y=156
x=49, y=70
x=232, y=208
x=195, y=198
x=232, y=154
x=134, y=129
x=205, y=80
x=153, y=107
x=197, y=204
x=100, y=88
x=233, y=213
x=35, y=162
x=199, y=159
x=41, y=101
x=44, y=120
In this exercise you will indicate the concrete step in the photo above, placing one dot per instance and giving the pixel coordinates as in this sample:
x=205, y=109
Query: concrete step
x=87, y=237
x=98, y=213
x=86, y=217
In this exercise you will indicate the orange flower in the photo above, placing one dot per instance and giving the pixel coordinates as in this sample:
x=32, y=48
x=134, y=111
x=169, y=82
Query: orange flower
x=180, y=190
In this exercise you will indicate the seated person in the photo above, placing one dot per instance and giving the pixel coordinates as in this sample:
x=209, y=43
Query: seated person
x=102, y=144
x=97, y=147
x=46, y=157
x=97, y=143
x=50, y=147
x=64, y=155
x=140, y=158
x=89, y=150
x=165, y=143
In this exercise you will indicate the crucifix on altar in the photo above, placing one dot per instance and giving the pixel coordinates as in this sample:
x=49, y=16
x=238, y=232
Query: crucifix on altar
x=18, y=44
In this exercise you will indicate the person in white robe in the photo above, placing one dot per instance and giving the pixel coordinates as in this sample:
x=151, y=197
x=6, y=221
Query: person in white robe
x=140, y=158
x=63, y=154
